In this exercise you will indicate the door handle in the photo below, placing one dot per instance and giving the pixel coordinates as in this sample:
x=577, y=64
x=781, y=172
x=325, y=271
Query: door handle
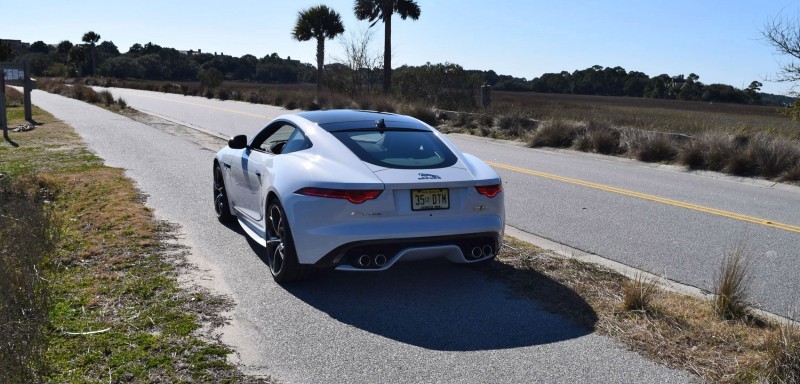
x=227, y=165
x=258, y=173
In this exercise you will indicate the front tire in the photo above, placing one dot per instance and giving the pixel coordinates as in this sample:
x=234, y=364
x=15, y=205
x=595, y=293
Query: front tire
x=281, y=254
x=221, y=204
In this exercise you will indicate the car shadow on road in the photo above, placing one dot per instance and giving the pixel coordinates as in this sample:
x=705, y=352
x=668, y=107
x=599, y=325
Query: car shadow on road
x=436, y=305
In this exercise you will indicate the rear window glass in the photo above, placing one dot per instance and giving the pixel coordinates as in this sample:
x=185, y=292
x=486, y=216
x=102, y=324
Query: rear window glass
x=404, y=149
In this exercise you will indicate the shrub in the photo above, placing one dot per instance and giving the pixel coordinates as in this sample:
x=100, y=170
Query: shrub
x=463, y=119
x=291, y=104
x=485, y=120
x=107, y=98
x=783, y=364
x=554, y=133
x=713, y=147
x=420, y=112
x=638, y=292
x=600, y=137
x=732, y=284
x=209, y=93
x=122, y=103
x=772, y=156
x=28, y=238
x=223, y=94
x=14, y=98
x=653, y=147
x=792, y=174
x=383, y=104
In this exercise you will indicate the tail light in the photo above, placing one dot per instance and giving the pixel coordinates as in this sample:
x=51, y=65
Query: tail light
x=489, y=190
x=355, y=196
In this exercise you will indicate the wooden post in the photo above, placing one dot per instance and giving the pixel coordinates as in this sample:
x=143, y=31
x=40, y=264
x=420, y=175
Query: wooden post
x=26, y=88
x=3, y=116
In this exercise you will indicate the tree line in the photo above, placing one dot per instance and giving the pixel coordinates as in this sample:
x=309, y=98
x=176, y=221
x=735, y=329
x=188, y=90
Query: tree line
x=151, y=62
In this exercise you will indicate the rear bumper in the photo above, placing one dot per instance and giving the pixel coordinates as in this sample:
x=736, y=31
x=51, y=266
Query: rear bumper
x=455, y=248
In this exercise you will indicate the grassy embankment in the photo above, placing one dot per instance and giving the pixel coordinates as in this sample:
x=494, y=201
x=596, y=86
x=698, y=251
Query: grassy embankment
x=105, y=304
x=676, y=330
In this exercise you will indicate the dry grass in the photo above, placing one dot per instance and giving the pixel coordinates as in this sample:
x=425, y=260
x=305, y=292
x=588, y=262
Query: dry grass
x=28, y=240
x=555, y=133
x=732, y=284
x=783, y=365
x=678, y=331
x=638, y=293
x=14, y=98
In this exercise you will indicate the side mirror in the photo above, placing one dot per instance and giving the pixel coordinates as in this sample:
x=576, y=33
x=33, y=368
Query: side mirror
x=238, y=142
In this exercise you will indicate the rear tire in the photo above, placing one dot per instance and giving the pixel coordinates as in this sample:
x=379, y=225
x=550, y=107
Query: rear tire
x=221, y=204
x=281, y=255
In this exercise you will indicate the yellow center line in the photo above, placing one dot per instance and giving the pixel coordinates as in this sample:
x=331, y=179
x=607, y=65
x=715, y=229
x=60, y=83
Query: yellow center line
x=676, y=203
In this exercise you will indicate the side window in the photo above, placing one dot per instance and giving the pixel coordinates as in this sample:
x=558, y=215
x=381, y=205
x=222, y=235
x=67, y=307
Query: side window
x=281, y=138
x=297, y=142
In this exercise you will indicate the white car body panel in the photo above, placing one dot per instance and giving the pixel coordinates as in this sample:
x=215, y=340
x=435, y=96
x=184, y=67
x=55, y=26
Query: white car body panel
x=320, y=225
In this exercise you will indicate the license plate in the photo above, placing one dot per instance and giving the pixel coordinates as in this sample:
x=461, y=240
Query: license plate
x=427, y=199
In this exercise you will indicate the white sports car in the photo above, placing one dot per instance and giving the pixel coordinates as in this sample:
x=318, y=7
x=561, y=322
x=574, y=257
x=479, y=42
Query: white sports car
x=357, y=191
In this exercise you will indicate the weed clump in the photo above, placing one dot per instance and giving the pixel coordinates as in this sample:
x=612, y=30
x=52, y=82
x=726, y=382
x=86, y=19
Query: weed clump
x=554, y=133
x=732, y=284
x=638, y=293
x=420, y=112
x=599, y=136
x=783, y=364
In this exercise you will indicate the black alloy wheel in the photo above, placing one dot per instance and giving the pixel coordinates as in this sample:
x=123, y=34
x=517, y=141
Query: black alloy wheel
x=221, y=205
x=281, y=256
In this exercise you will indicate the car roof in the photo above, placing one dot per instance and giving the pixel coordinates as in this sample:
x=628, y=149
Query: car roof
x=346, y=119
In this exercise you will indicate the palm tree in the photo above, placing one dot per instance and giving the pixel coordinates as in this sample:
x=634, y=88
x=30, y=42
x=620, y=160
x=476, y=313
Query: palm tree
x=374, y=10
x=322, y=23
x=92, y=38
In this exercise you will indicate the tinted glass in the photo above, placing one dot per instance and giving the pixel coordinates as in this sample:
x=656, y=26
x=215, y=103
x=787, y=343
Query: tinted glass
x=404, y=149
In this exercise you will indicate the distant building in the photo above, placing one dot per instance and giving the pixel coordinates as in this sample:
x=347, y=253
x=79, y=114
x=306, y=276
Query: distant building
x=191, y=52
x=16, y=45
x=677, y=82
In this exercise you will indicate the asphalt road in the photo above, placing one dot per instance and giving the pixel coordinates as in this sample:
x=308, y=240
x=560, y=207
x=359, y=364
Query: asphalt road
x=418, y=322
x=662, y=219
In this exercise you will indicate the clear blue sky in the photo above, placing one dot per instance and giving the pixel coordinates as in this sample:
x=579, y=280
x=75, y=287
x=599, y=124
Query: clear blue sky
x=718, y=40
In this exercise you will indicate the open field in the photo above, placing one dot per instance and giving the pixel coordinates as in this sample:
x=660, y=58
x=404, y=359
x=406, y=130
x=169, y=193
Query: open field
x=674, y=116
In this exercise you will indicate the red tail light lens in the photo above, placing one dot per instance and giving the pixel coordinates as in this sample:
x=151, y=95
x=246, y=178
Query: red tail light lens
x=489, y=190
x=355, y=196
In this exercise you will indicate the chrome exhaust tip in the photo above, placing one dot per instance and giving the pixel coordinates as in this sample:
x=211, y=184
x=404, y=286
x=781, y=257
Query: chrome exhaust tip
x=477, y=252
x=487, y=250
x=380, y=260
x=364, y=261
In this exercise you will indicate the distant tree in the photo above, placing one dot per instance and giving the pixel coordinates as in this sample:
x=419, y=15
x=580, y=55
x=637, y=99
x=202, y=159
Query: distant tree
x=39, y=47
x=122, y=67
x=135, y=50
x=783, y=34
x=635, y=84
x=63, y=49
x=320, y=23
x=210, y=78
x=91, y=38
x=753, y=92
x=6, y=53
x=77, y=57
x=361, y=63
x=382, y=10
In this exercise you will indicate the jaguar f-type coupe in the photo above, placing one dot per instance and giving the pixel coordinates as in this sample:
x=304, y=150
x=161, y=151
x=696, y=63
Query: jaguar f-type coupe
x=357, y=191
